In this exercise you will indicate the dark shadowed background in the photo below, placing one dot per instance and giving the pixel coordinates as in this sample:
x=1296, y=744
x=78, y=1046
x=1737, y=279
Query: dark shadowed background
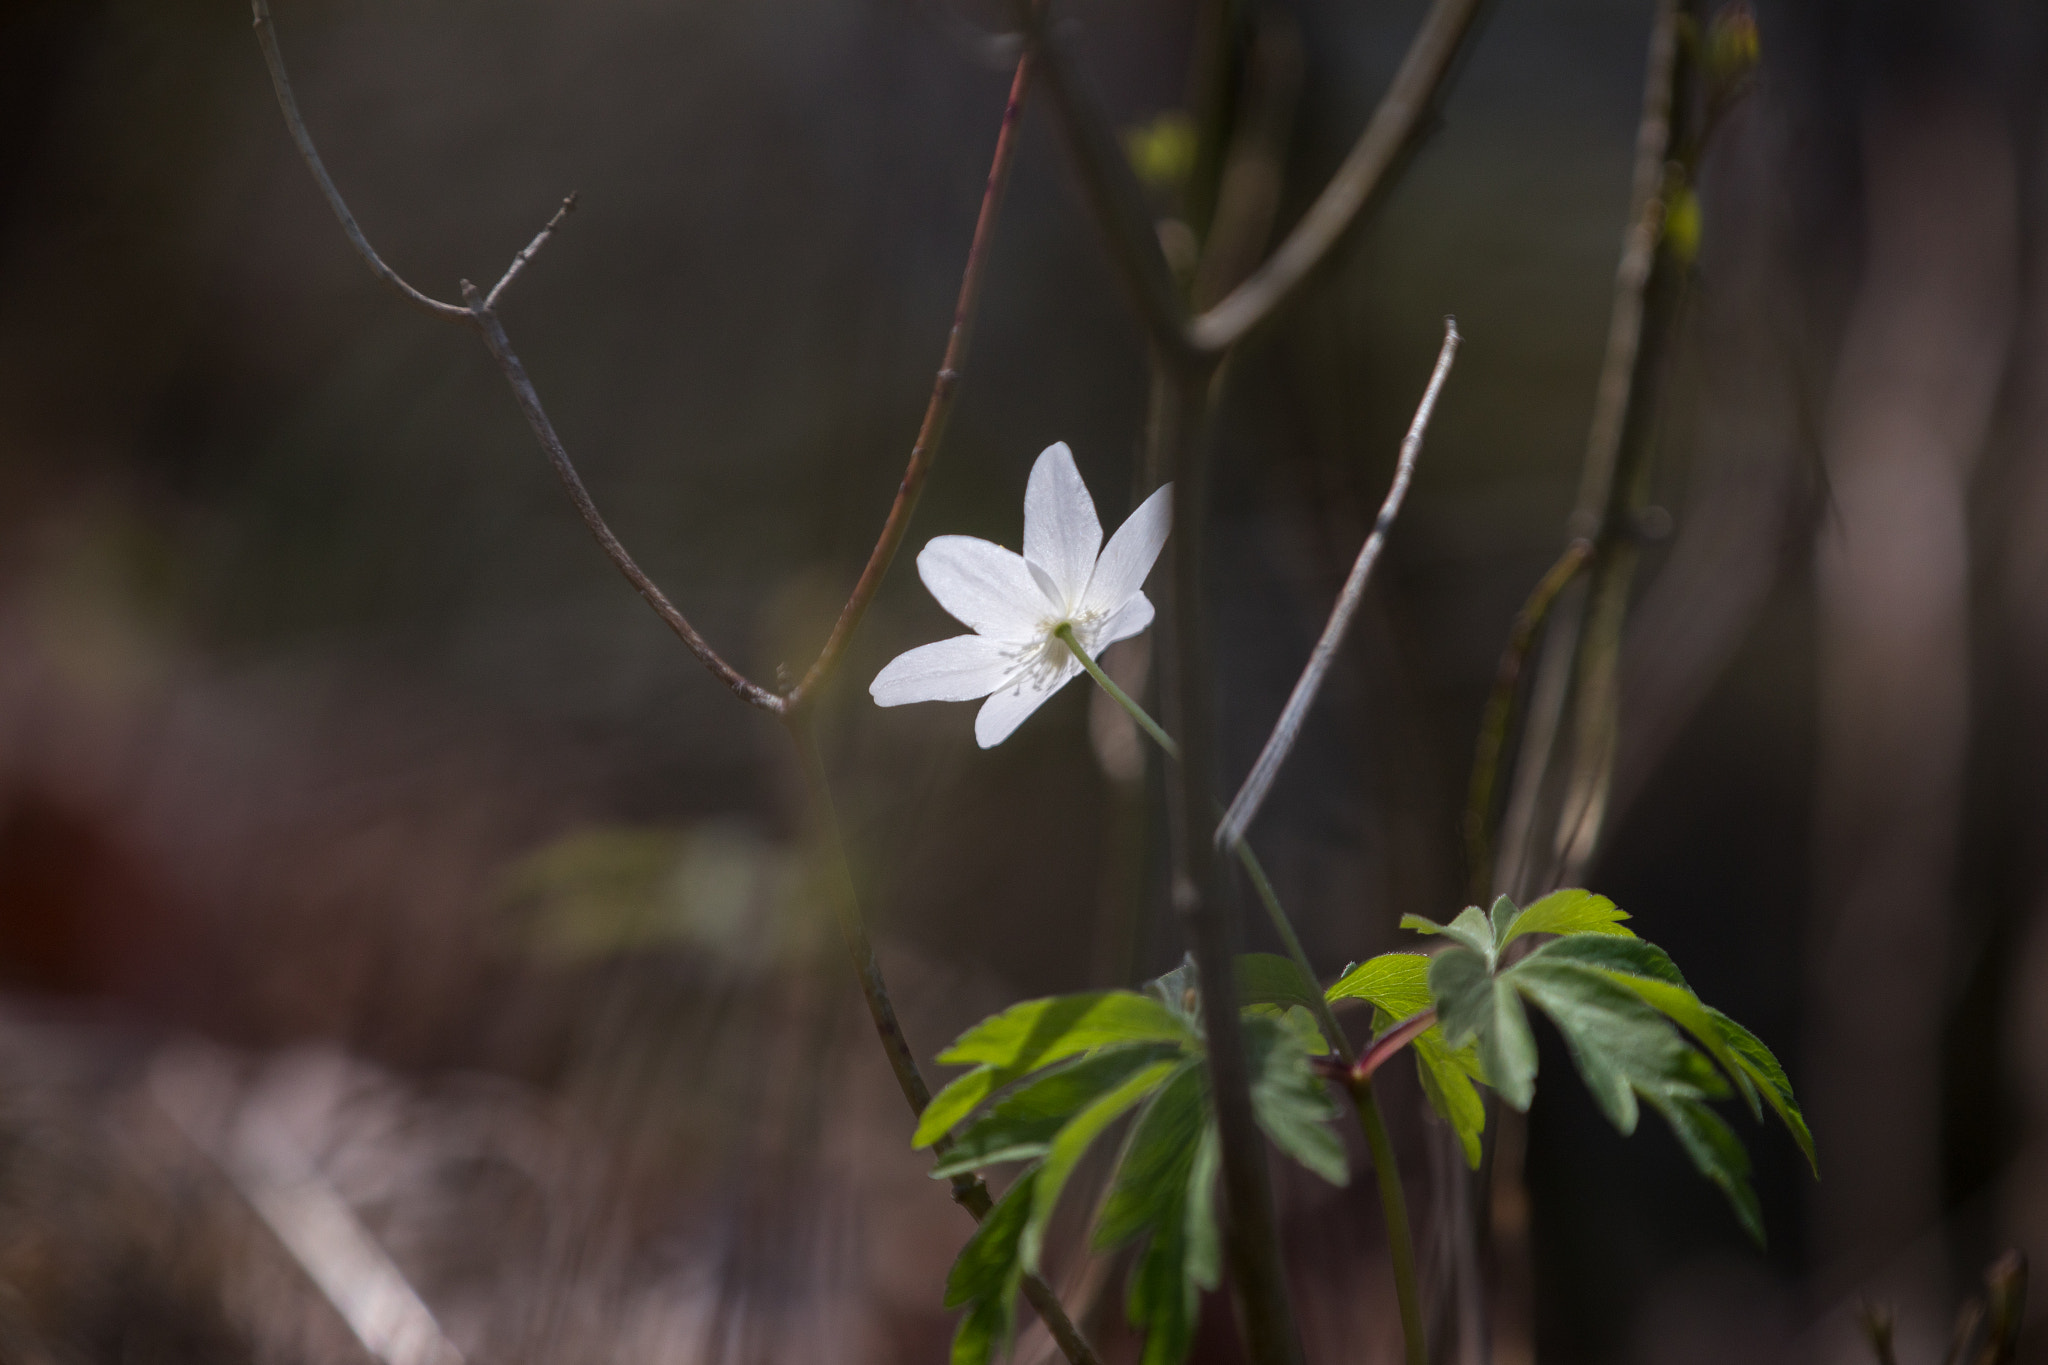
x=350, y=801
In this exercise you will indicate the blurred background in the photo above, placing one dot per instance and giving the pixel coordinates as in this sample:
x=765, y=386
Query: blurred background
x=366, y=848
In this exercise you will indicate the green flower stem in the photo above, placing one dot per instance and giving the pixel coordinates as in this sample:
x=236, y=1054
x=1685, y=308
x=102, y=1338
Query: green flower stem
x=1393, y=1200
x=1065, y=631
x=1394, y=1207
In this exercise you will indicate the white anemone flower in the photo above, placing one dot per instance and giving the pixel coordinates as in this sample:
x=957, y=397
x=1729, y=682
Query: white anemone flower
x=1015, y=603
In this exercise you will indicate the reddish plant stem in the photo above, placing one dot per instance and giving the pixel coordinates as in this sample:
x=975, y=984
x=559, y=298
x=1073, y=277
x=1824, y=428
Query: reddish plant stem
x=940, y=407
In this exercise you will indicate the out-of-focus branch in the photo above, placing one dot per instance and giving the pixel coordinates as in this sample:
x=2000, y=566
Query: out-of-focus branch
x=1401, y=114
x=940, y=406
x=266, y=37
x=1245, y=805
x=1200, y=897
x=1500, y=706
x=1542, y=841
x=1114, y=196
x=477, y=312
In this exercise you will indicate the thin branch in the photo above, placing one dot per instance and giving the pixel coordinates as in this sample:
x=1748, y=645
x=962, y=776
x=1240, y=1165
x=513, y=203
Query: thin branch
x=478, y=313
x=531, y=250
x=1245, y=805
x=1416, y=88
x=500, y=347
x=266, y=37
x=969, y=1191
x=940, y=406
x=1500, y=706
x=1115, y=198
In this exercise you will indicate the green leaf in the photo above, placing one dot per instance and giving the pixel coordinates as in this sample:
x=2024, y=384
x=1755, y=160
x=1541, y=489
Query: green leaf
x=1503, y=914
x=1648, y=970
x=983, y=1331
x=1270, y=979
x=1448, y=1085
x=1165, y=1189
x=988, y=1267
x=1717, y=1153
x=1568, y=912
x=1072, y=1143
x=1621, y=1044
x=1038, y=1033
x=985, y=1276
x=1472, y=1004
x=1151, y=1173
x=1636, y=956
x=1395, y=982
x=1469, y=928
x=1762, y=1067
x=1023, y=1124
x=1290, y=1102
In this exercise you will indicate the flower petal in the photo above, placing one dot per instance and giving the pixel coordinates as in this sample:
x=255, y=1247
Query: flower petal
x=1061, y=534
x=983, y=586
x=1008, y=707
x=959, y=669
x=1128, y=620
x=1130, y=554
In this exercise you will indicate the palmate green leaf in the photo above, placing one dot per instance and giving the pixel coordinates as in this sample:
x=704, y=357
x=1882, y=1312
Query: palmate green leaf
x=1290, y=1102
x=985, y=1276
x=1072, y=1144
x=1474, y=1005
x=1397, y=986
x=1757, y=1062
x=1395, y=982
x=1165, y=1191
x=1717, y=1153
x=1037, y=1033
x=1023, y=1124
x=1620, y=1044
x=1648, y=971
x=1565, y=912
x=1470, y=928
x=1447, y=1084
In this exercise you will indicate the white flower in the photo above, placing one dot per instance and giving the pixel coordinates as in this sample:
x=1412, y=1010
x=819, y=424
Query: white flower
x=1015, y=602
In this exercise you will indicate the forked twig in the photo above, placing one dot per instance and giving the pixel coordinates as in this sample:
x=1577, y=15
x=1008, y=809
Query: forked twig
x=1245, y=805
x=478, y=313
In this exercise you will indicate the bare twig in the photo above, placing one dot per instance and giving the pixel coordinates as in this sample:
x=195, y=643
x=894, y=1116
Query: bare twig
x=1500, y=706
x=501, y=351
x=266, y=37
x=1416, y=88
x=1245, y=805
x=940, y=406
x=477, y=312
x=531, y=250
